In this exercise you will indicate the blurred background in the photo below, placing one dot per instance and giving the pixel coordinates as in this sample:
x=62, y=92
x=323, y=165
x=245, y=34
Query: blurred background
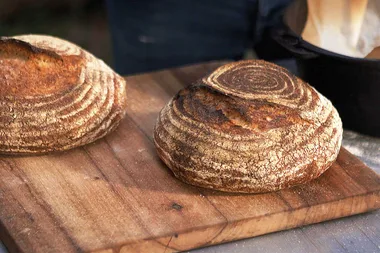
x=83, y=22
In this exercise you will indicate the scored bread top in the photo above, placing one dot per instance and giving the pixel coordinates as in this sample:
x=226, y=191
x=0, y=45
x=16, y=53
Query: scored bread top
x=54, y=95
x=249, y=126
x=30, y=71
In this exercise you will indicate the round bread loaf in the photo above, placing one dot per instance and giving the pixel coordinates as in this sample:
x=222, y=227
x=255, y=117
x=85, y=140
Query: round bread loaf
x=54, y=95
x=250, y=126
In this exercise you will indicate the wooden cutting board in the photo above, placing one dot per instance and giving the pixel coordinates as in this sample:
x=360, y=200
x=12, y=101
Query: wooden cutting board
x=116, y=196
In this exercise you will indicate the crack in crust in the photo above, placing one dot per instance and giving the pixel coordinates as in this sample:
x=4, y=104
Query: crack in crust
x=249, y=126
x=54, y=95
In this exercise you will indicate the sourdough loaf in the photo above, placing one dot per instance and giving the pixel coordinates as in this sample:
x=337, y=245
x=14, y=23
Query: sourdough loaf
x=54, y=95
x=250, y=126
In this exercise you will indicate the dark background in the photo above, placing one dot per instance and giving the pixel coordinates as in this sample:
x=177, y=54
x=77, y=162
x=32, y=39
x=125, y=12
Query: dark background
x=83, y=22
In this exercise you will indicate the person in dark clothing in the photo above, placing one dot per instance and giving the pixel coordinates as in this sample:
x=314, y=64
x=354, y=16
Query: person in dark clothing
x=149, y=35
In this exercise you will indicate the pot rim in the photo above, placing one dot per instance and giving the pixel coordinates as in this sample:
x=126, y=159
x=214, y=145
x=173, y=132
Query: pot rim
x=311, y=47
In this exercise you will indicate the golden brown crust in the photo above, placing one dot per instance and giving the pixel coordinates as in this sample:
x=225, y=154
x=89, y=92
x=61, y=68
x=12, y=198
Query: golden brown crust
x=54, y=95
x=250, y=126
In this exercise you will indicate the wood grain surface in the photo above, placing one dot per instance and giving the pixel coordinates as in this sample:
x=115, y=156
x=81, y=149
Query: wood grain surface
x=115, y=195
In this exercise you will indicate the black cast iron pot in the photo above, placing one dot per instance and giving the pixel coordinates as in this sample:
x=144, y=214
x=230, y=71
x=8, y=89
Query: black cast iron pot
x=352, y=84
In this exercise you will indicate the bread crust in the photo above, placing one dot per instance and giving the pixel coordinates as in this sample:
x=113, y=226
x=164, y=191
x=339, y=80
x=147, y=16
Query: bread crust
x=250, y=126
x=54, y=95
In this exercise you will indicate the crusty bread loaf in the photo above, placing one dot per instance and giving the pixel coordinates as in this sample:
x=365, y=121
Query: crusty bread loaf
x=250, y=126
x=54, y=95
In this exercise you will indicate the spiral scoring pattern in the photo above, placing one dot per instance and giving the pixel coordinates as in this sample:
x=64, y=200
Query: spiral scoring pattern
x=250, y=126
x=56, y=99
